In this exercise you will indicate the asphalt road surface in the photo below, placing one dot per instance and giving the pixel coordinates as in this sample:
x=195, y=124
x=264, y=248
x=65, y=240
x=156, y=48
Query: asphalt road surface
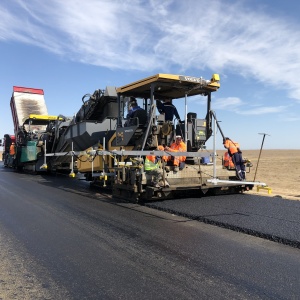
x=61, y=240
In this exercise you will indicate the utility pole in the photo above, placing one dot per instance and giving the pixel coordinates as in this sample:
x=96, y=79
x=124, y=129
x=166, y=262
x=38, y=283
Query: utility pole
x=264, y=135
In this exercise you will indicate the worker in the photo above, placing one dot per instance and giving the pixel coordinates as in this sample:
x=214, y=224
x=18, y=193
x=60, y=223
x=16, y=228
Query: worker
x=152, y=168
x=12, y=153
x=133, y=107
x=168, y=109
x=177, y=161
x=235, y=153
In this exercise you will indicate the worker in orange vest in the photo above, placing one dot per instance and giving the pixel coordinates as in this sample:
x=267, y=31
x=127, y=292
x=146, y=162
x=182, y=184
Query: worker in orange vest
x=177, y=146
x=12, y=153
x=235, y=153
x=152, y=167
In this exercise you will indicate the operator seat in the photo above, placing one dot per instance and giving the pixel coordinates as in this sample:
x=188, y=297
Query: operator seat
x=139, y=118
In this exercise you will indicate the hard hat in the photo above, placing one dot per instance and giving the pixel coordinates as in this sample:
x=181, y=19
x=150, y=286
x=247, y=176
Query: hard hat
x=178, y=137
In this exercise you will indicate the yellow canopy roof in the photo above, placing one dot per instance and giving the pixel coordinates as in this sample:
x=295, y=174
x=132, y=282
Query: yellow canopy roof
x=171, y=86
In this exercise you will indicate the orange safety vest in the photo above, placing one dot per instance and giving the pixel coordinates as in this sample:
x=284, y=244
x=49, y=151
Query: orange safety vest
x=152, y=157
x=231, y=146
x=227, y=161
x=181, y=147
x=12, y=150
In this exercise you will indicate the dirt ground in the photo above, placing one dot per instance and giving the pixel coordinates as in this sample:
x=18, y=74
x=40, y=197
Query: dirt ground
x=279, y=169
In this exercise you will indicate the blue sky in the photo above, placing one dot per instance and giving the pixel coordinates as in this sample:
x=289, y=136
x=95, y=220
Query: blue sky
x=73, y=47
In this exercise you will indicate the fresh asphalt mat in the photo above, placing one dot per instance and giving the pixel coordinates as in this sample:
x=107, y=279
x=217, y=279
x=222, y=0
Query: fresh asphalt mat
x=270, y=218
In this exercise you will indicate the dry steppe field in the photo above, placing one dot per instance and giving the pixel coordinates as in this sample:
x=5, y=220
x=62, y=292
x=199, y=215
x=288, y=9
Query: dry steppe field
x=279, y=169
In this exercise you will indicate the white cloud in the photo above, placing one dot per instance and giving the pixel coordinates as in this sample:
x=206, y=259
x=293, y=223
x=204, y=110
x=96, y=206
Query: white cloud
x=262, y=110
x=230, y=103
x=158, y=35
x=236, y=105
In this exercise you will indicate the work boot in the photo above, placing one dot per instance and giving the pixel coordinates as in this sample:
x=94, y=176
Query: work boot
x=176, y=169
x=181, y=166
x=166, y=183
x=239, y=175
x=167, y=168
x=244, y=175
